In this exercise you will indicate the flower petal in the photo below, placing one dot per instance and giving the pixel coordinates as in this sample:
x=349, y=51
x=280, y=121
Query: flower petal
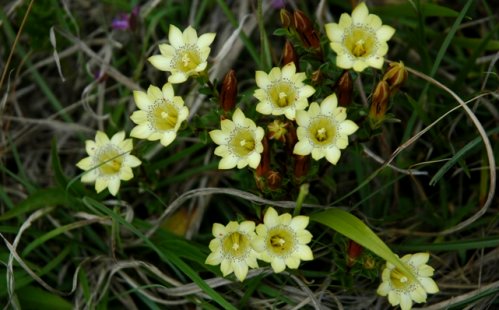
x=302, y=148
x=160, y=62
x=142, y=131
x=175, y=37
x=360, y=13
x=206, y=39
x=333, y=155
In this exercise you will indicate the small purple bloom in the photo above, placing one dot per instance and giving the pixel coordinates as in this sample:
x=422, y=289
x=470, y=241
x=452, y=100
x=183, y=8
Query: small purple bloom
x=121, y=22
x=126, y=21
x=277, y=4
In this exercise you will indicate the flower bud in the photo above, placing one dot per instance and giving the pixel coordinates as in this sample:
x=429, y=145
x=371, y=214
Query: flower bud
x=316, y=77
x=285, y=16
x=307, y=32
x=290, y=138
x=264, y=166
x=301, y=22
x=228, y=91
x=344, y=89
x=301, y=168
x=379, y=104
x=274, y=180
x=396, y=75
x=353, y=252
x=289, y=54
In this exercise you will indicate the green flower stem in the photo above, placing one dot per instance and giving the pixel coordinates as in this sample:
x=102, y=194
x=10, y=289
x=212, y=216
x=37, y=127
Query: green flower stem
x=301, y=196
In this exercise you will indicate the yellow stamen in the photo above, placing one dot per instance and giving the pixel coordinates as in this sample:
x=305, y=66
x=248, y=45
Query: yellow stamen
x=359, y=48
x=321, y=134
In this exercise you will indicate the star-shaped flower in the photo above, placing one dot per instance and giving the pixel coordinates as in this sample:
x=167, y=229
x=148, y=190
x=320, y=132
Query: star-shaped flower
x=109, y=161
x=282, y=240
x=402, y=289
x=282, y=91
x=185, y=56
x=323, y=130
x=160, y=114
x=240, y=142
x=359, y=40
x=232, y=248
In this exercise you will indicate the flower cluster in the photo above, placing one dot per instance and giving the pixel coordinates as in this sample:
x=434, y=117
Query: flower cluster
x=160, y=113
x=296, y=126
x=280, y=240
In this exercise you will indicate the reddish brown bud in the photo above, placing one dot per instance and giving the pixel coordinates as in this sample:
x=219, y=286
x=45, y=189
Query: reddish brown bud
x=285, y=16
x=301, y=168
x=301, y=22
x=379, y=104
x=316, y=77
x=264, y=166
x=274, y=180
x=344, y=89
x=396, y=75
x=307, y=32
x=353, y=252
x=290, y=138
x=228, y=91
x=289, y=54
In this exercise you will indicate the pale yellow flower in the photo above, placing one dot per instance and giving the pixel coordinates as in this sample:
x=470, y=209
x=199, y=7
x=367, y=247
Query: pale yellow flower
x=282, y=240
x=323, y=130
x=109, y=161
x=185, y=56
x=232, y=248
x=360, y=40
x=160, y=114
x=402, y=289
x=282, y=91
x=240, y=142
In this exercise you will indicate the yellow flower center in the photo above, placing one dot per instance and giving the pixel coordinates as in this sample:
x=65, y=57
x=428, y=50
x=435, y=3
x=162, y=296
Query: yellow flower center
x=361, y=42
x=236, y=244
x=322, y=130
x=282, y=94
x=163, y=115
x=281, y=241
x=243, y=142
x=399, y=280
x=110, y=160
x=187, y=59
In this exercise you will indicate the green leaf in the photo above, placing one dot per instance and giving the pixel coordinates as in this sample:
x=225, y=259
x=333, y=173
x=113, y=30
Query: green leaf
x=353, y=228
x=32, y=297
x=407, y=10
x=281, y=32
x=39, y=199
